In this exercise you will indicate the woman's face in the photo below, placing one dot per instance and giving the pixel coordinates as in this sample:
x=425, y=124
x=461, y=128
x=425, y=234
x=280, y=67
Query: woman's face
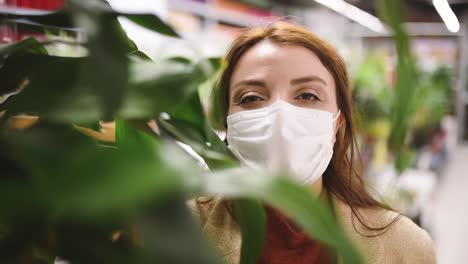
x=269, y=72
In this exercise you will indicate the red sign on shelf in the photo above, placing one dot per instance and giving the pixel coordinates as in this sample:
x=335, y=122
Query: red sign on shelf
x=35, y=4
x=12, y=32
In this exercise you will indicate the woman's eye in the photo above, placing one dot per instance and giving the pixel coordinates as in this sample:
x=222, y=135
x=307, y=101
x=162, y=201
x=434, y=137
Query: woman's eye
x=250, y=99
x=308, y=96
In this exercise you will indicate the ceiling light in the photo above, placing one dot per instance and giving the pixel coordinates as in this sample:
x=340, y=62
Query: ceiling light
x=355, y=14
x=447, y=15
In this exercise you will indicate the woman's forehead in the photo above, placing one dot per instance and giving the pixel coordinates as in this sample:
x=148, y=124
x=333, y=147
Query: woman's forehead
x=271, y=61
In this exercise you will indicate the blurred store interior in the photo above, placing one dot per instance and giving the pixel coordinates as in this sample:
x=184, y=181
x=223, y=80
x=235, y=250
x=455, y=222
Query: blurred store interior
x=431, y=190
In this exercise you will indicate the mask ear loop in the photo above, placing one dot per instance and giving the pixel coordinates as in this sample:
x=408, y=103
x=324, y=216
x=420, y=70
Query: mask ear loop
x=336, y=118
x=337, y=115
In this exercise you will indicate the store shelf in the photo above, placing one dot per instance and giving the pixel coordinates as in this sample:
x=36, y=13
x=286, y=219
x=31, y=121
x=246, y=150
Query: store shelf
x=209, y=11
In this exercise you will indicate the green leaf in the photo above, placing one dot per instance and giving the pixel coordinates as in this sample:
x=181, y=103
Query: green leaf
x=30, y=44
x=73, y=176
x=169, y=232
x=219, y=107
x=61, y=97
x=251, y=218
x=139, y=55
x=190, y=110
x=106, y=71
x=14, y=64
x=405, y=90
x=84, y=192
x=171, y=220
x=154, y=88
x=16, y=69
x=152, y=22
x=157, y=87
x=187, y=134
x=215, y=63
x=189, y=125
x=126, y=136
x=403, y=159
x=89, y=242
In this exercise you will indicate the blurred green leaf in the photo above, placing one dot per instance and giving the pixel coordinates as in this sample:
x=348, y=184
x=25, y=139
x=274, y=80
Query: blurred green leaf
x=85, y=185
x=188, y=134
x=171, y=220
x=139, y=55
x=30, y=44
x=27, y=245
x=15, y=74
x=90, y=242
x=251, y=217
x=219, y=109
x=61, y=97
x=159, y=87
x=216, y=62
x=154, y=88
x=372, y=92
x=13, y=68
x=106, y=71
x=392, y=12
x=169, y=232
x=152, y=22
x=405, y=90
x=72, y=175
x=126, y=136
x=75, y=178
x=435, y=97
x=404, y=159
x=187, y=123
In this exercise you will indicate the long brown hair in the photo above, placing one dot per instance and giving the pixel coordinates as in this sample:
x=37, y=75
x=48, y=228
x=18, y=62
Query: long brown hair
x=342, y=177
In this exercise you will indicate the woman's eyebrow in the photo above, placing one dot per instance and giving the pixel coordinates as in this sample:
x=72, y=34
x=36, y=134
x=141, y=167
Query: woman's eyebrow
x=311, y=78
x=251, y=82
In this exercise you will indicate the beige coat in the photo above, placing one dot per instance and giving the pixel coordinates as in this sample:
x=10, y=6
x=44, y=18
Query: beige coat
x=404, y=242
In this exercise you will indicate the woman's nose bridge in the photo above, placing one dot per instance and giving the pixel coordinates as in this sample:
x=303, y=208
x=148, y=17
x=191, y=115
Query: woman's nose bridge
x=280, y=92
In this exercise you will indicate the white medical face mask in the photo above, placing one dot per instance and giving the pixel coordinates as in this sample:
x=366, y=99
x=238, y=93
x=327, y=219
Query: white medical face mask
x=282, y=136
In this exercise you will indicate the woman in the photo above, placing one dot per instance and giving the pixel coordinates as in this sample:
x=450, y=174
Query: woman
x=286, y=103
